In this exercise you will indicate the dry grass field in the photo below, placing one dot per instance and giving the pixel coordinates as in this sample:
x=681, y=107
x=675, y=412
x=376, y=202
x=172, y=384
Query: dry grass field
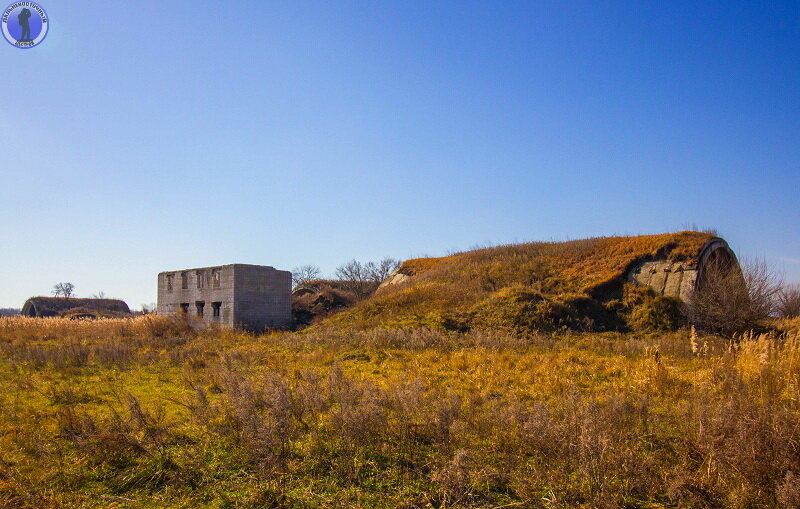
x=147, y=412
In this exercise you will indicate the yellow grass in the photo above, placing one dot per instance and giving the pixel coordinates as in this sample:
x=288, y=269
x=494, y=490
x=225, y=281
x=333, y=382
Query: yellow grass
x=459, y=284
x=147, y=412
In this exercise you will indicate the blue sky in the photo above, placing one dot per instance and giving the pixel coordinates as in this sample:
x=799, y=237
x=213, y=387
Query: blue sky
x=147, y=136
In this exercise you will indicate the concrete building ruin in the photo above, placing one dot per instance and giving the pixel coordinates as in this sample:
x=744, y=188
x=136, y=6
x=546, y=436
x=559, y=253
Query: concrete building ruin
x=681, y=279
x=252, y=297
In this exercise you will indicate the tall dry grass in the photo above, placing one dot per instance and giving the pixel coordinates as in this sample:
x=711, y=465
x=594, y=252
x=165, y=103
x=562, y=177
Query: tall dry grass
x=413, y=418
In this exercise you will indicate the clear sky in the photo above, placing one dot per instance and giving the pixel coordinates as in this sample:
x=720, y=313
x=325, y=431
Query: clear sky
x=147, y=136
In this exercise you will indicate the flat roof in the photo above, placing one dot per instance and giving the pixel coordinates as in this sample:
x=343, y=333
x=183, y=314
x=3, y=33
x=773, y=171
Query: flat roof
x=268, y=267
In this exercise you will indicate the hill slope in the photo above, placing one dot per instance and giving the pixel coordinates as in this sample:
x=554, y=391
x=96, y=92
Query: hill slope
x=538, y=285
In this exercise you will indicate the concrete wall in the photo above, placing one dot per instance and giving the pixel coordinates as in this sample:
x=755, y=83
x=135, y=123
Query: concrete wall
x=680, y=279
x=675, y=279
x=170, y=300
x=249, y=296
x=262, y=297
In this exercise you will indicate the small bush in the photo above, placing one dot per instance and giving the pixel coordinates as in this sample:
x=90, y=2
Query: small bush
x=731, y=299
x=515, y=308
x=310, y=307
x=522, y=309
x=634, y=295
x=661, y=313
x=788, y=301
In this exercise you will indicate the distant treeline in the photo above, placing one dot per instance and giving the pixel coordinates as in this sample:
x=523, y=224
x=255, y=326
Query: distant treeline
x=9, y=311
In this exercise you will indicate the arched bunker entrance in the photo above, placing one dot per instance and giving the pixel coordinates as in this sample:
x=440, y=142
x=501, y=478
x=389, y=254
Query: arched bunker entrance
x=681, y=279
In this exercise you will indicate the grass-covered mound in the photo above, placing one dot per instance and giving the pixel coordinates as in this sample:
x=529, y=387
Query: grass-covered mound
x=577, y=284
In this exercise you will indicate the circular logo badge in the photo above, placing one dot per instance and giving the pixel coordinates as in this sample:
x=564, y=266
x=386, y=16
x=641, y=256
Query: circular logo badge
x=25, y=24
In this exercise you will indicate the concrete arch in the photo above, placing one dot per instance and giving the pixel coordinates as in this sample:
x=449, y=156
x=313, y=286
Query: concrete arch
x=304, y=290
x=682, y=278
x=29, y=309
x=716, y=253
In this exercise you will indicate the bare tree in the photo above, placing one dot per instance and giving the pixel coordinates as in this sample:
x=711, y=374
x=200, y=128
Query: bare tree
x=361, y=279
x=99, y=295
x=65, y=290
x=379, y=271
x=788, y=301
x=354, y=277
x=305, y=273
x=733, y=299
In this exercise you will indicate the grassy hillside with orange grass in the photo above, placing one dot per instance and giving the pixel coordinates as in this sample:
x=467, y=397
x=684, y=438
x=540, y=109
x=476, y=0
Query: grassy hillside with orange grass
x=577, y=284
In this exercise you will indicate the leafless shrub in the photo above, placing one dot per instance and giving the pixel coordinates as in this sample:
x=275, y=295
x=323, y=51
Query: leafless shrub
x=789, y=491
x=355, y=278
x=361, y=279
x=69, y=394
x=307, y=400
x=454, y=480
x=788, y=301
x=74, y=424
x=357, y=416
x=112, y=441
x=747, y=439
x=198, y=404
x=447, y=409
x=357, y=421
x=411, y=417
x=379, y=271
x=151, y=425
x=278, y=402
x=260, y=415
x=730, y=300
